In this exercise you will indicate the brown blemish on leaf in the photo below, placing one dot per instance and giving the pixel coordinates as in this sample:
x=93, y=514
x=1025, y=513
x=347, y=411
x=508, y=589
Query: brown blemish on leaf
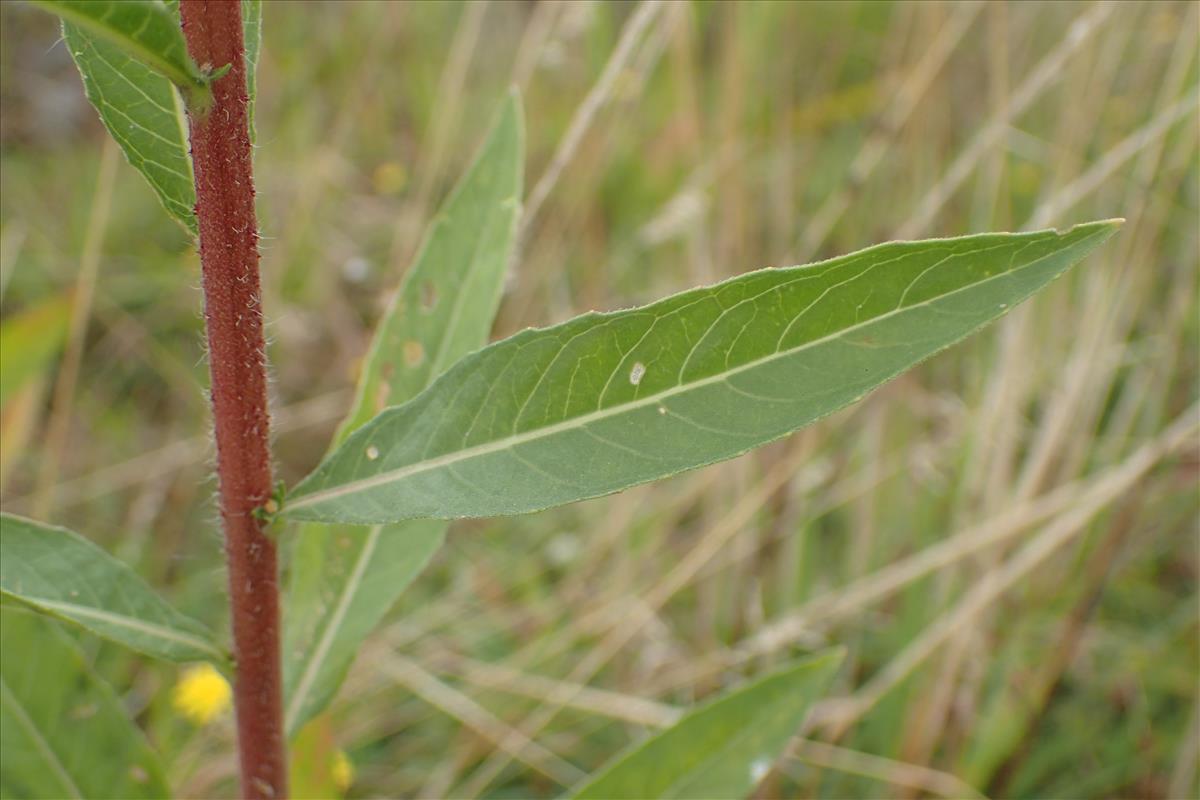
x=414, y=353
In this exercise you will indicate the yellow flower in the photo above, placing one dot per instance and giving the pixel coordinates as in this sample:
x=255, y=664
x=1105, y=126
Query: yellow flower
x=202, y=694
x=342, y=771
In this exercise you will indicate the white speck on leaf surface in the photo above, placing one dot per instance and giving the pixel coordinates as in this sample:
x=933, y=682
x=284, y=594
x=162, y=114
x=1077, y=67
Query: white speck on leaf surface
x=759, y=768
x=637, y=373
x=372, y=453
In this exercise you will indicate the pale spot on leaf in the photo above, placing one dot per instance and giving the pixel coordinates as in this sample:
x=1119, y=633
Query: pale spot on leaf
x=637, y=373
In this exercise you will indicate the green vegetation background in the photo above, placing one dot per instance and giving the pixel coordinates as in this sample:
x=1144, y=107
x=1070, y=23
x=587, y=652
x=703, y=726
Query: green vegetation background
x=731, y=139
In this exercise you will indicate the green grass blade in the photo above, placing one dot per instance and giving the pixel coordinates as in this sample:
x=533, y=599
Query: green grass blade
x=65, y=732
x=344, y=579
x=59, y=572
x=607, y=401
x=725, y=747
x=145, y=29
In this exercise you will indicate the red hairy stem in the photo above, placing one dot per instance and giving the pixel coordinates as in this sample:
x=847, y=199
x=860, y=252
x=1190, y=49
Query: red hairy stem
x=221, y=160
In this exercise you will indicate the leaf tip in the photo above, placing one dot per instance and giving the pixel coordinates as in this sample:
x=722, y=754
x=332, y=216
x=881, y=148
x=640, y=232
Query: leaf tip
x=1112, y=225
x=830, y=658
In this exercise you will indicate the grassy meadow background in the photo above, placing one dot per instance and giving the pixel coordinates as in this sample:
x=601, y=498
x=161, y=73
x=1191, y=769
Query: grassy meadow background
x=1004, y=538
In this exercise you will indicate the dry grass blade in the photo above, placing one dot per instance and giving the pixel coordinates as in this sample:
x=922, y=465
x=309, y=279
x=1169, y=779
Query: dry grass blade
x=895, y=773
x=1135, y=144
x=836, y=715
x=615, y=705
x=471, y=714
x=631, y=34
x=902, y=105
x=637, y=615
x=1038, y=80
x=58, y=427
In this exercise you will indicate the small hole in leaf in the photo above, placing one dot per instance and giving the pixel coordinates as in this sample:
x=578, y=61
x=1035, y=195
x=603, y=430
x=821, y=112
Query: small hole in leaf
x=429, y=296
x=372, y=453
x=414, y=353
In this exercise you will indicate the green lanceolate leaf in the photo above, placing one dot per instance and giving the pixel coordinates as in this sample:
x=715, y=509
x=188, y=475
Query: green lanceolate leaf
x=144, y=29
x=607, y=401
x=61, y=573
x=344, y=579
x=144, y=114
x=140, y=105
x=725, y=747
x=65, y=732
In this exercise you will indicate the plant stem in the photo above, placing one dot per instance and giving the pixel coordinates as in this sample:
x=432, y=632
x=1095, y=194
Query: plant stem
x=237, y=362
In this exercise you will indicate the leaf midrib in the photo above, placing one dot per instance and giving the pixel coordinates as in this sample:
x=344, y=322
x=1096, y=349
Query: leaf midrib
x=583, y=420
x=129, y=623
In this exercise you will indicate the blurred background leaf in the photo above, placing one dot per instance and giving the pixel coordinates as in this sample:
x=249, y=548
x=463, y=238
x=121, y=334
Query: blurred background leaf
x=344, y=579
x=65, y=731
x=722, y=749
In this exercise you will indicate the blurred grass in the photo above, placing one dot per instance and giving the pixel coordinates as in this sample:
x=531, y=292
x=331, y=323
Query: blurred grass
x=735, y=136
